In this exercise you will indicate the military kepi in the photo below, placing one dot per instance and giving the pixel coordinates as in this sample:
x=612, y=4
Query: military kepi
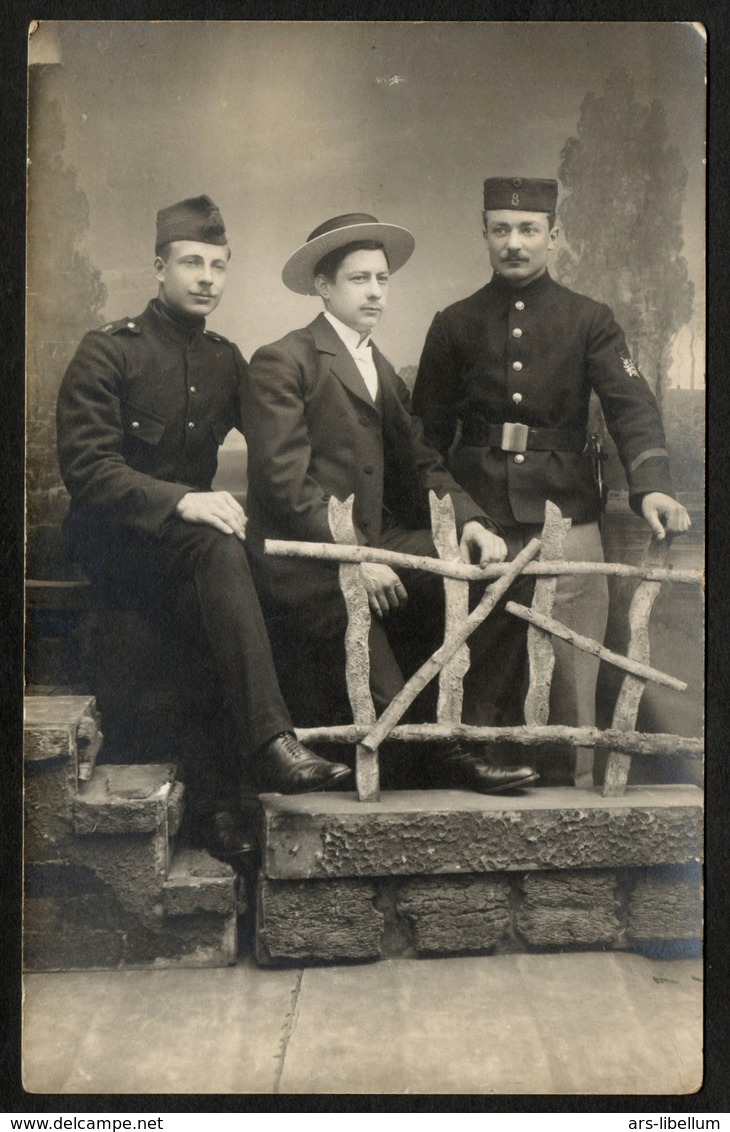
x=521, y=193
x=196, y=218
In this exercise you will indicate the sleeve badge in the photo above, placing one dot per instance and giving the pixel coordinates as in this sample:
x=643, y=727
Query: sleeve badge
x=628, y=363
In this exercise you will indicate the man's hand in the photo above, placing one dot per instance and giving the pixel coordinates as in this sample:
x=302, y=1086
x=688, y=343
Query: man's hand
x=481, y=546
x=384, y=588
x=663, y=514
x=216, y=508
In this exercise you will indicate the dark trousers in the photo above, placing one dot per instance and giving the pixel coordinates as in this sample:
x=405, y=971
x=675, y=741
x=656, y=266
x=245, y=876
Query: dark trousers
x=194, y=582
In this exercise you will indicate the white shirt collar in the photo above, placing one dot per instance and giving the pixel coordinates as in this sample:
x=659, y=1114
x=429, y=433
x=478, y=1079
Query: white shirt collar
x=350, y=337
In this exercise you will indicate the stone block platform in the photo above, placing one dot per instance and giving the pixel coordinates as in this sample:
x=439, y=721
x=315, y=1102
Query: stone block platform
x=448, y=872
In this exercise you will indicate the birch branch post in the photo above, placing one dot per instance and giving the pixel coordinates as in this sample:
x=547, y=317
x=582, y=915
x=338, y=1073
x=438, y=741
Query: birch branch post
x=632, y=687
x=456, y=610
x=540, y=652
x=367, y=776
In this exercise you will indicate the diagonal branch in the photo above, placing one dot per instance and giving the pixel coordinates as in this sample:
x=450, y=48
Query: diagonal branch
x=586, y=644
x=443, y=655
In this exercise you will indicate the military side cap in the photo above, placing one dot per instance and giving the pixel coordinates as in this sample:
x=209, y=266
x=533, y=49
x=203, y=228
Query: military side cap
x=522, y=193
x=298, y=273
x=196, y=218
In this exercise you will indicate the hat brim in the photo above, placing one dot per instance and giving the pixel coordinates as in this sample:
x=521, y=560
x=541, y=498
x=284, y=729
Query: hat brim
x=298, y=273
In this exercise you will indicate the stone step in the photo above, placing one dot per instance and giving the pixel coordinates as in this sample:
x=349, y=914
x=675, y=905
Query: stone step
x=198, y=882
x=62, y=727
x=105, y=886
x=61, y=739
x=129, y=799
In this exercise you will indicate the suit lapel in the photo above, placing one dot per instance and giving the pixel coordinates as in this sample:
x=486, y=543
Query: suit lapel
x=342, y=363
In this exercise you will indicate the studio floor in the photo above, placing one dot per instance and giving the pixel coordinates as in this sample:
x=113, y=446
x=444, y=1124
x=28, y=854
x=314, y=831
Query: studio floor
x=579, y=1023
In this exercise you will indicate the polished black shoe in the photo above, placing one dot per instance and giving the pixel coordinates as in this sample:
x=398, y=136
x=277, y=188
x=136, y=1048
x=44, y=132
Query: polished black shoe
x=225, y=835
x=458, y=769
x=286, y=766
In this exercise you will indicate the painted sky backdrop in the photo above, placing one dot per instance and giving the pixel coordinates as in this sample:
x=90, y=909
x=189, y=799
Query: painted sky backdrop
x=286, y=124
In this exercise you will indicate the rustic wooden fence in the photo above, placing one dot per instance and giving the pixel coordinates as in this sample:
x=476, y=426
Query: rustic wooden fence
x=542, y=557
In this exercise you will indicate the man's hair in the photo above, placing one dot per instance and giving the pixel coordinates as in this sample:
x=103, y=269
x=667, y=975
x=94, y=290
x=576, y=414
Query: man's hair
x=329, y=264
x=164, y=250
x=551, y=216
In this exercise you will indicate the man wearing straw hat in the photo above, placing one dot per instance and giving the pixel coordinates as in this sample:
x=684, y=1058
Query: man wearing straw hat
x=142, y=410
x=325, y=415
x=509, y=371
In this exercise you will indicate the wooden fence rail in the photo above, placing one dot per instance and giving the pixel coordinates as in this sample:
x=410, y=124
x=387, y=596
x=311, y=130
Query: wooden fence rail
x=450, y=662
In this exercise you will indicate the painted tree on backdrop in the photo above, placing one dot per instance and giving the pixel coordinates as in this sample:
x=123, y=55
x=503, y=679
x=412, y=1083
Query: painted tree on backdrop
x=65, y=295
x=621, y=215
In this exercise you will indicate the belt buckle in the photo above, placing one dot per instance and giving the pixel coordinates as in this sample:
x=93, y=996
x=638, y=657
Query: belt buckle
x=514, y=437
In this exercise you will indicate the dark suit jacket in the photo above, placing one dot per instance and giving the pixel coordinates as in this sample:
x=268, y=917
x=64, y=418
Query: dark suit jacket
x=533, y=356
x=314, y=432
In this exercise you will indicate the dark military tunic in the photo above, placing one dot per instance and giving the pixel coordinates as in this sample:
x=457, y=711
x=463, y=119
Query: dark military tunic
x=142, y=410
x=532, y=356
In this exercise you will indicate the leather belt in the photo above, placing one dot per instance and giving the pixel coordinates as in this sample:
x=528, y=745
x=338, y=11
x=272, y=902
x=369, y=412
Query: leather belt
x=512, y=437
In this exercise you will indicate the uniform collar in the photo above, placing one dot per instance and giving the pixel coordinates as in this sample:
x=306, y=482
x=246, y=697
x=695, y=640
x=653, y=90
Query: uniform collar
x=169, y=324
x=502, y=287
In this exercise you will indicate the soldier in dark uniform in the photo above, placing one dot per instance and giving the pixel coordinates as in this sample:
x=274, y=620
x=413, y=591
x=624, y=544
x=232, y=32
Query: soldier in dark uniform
x=514, y=366
x=142, y=410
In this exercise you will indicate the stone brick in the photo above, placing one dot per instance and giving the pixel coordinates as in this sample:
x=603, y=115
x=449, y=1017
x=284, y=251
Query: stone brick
x=666, y=904
x=69, y=950
x=205, y=940
x=47, y=809
x=132, y=866
x=317, y=920
x=424, y=832
x=561, y=909
x=452, y=914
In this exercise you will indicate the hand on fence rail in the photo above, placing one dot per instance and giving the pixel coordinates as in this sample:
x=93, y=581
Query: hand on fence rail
x=384, y=588
x=665, y=516
x=480, y=545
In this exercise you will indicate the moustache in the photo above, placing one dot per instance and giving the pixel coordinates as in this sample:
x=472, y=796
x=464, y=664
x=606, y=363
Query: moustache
x=514, y=259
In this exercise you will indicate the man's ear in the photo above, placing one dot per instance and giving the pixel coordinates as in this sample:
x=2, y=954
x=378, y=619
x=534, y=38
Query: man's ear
x=484, y=224
x=554, y=233
x=322, y=286
x=159, y=268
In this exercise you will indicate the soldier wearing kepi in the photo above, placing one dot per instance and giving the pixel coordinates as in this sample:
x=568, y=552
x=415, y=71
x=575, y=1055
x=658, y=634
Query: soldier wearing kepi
x=142, y=410
x=514, y=365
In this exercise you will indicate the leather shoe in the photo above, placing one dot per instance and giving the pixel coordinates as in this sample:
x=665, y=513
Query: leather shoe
x=466, y=770
x=224, y=834
x=286, y=766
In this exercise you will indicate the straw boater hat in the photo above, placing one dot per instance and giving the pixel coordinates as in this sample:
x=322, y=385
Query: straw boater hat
x=298, y=273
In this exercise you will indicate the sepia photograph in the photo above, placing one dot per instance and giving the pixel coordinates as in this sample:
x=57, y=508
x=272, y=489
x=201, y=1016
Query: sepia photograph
x=364, y=572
